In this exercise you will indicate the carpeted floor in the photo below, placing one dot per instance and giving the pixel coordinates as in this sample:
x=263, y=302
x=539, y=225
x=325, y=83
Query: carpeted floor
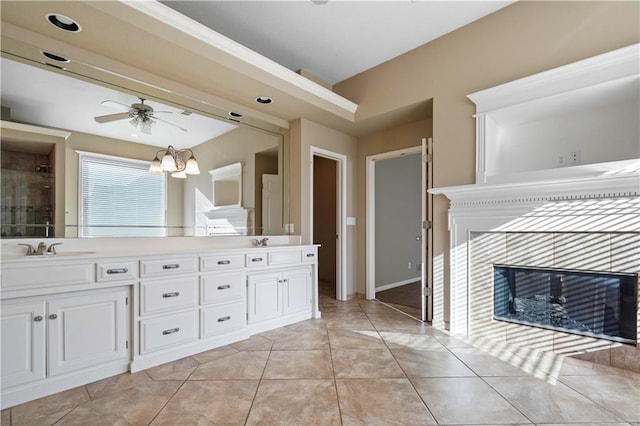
x=408, y=295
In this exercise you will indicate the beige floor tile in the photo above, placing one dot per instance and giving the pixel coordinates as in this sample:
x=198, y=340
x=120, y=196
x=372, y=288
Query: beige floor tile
x=452, y=341
x=365, y=363
x=543, y=402
x=466, y=400
x=308, y=325
x=213, y=354
x=242, y=365
x=56, y=404
x=137, y=405
x=355, y=339
x=621, y=395
x=381, y=401
x=395, y=322
x=422, y=363
x=253, y=343
x=176, y=370
x=309, y=364
x=295, y=402
x=401, y=340
x=484, y=364
x=209, y=402
x=302, y=340
x=116, y=384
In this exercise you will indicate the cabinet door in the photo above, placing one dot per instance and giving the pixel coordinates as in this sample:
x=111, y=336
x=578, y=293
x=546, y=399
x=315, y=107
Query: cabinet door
x=265, y=297
x=297, y=290
x=23, y=343
x=86, y=330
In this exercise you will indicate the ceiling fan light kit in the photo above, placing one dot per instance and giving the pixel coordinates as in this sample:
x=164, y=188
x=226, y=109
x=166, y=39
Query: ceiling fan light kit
x=179, y=163
x=139, y=115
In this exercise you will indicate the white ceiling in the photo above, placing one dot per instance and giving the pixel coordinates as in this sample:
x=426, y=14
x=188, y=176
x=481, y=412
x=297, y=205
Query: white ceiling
x=338, y=39
x=37, y=96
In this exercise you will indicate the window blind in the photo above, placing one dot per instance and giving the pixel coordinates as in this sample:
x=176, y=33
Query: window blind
x=119, y=198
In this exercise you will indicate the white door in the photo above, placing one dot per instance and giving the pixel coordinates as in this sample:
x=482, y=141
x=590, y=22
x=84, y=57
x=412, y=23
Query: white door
x=297, y=290
x=427, y=292
x=265, y=297
x=23, y=343
x=271, y=205
x=86, y=330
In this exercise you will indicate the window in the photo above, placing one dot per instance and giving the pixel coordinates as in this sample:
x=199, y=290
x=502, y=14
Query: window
x=119, y=198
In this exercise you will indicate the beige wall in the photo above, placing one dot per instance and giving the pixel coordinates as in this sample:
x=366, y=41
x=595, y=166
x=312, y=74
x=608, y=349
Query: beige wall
x=302, y=135
x=517, y=41
x=119, y=148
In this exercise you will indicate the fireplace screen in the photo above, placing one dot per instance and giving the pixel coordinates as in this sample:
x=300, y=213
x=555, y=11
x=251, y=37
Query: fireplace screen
x=597, y=304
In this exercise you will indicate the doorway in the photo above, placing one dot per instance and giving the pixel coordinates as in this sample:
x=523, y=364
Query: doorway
x=397, y=226
x=328, y=212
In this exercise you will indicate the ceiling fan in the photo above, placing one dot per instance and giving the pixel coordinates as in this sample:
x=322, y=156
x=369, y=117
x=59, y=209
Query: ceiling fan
x=139, y=115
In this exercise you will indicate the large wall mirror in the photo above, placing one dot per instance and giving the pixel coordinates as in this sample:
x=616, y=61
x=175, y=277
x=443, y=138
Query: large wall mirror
x=62, y=168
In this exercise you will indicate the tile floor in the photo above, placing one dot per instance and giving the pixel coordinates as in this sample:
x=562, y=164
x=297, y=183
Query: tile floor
x=362, y=363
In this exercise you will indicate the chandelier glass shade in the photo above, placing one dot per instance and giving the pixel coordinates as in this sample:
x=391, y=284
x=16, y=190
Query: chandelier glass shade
x=179, y=163
x=142, y=116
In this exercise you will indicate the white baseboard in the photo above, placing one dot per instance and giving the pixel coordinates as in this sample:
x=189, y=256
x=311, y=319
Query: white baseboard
x=397, y=284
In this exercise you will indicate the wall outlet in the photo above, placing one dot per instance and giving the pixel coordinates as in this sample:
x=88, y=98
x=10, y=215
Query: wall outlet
x=573, y=158
x=561, y=160
x=409, y=266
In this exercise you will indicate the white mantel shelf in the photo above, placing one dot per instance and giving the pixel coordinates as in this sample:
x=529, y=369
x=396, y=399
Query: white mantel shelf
x=605, y=180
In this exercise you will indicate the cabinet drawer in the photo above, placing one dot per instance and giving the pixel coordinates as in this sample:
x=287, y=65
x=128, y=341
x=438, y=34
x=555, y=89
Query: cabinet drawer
x=165, y=295
x=168, y=331
x=256, y=259
x=222, y=287
x=284, y=257
x=168, y=266
x=309, y=255
x=222, y=318
x=222, y=262
x=115, y=271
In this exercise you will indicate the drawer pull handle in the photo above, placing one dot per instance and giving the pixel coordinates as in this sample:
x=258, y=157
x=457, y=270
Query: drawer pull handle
x=311, y=255
x=170, y=331
x=224, y=287
x=38, y=318
x=171, y=266
x=256, y=259
x=223, y=319
x=117, y=271
x=53, y=316
x=224, y=262
x=174, y=294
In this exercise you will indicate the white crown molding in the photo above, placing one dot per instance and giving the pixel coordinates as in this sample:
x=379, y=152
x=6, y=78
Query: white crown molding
x=610, y=66
x=235, y=55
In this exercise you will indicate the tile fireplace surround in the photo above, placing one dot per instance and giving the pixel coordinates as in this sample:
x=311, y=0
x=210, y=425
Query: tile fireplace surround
x=580, y=222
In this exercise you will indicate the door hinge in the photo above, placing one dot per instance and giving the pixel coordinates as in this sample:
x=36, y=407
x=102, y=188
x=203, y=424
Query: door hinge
x=247, y=316
x=126, y=345
x=426, y=224
x=427, y=158
x=126, y=301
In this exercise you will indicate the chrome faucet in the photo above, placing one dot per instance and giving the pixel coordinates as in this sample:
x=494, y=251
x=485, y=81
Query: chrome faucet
x=259, y=243
x=41, y=249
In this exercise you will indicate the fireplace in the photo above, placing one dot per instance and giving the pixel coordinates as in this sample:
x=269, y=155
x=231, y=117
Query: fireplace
x=588, y=303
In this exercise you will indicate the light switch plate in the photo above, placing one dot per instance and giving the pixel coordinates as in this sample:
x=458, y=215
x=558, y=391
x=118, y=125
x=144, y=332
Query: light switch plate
x=351, y=221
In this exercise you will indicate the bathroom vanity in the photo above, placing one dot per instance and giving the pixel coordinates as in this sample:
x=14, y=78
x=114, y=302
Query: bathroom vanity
x=80, y=316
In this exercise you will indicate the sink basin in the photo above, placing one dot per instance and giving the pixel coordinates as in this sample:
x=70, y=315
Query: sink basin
x=48, y=256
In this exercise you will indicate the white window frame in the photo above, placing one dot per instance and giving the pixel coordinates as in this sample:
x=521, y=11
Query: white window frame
x=144, y=164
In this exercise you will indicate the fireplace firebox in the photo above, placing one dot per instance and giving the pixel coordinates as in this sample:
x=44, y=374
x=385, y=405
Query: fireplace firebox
x=589, y=303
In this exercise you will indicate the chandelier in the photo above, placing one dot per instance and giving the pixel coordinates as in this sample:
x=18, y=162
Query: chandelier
x=179, y=163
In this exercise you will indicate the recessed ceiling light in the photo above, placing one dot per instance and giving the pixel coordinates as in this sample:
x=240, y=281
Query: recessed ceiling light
x=63, y=22
x=234, y=114
x=264, y=100
x=55, y=57
x=58, y=67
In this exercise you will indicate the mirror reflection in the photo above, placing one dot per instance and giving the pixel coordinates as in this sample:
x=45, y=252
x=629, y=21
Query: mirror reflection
x=76, y=158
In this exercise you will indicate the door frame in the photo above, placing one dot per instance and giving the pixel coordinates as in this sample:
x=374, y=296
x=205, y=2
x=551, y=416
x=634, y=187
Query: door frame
x=341, y=214
x=371, y=212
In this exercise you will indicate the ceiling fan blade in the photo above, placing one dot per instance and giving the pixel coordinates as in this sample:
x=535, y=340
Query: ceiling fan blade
x=168, y=122
x=116, y=105
x=111, y=117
